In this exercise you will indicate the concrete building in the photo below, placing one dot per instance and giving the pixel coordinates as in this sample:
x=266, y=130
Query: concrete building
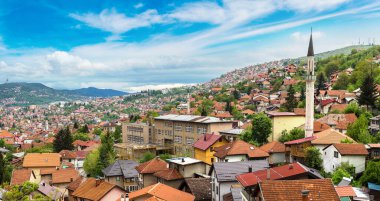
x=181, y=131
x=137, y=133
x=284, y=121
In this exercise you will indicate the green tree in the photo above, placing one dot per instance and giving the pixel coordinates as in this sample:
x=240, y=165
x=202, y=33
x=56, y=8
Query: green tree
x=2, y=168
x=236, y=94
x=63, y=140
x=368, y=92
x=117, y=135
x=338, y=175
x=291, y=101
x=302, y=97
x=313, y=158
x=205, y=108
x=106, y=153
x=294, y=134
x=97, y=131
x=358, y=130
x=260, y=130
x=90, y=162
x=342, y=82
x=76, y=125
x=165, y=156
x=81, y=136
x=353, y=108
x=371, y=173
x=146, y=157
x=321, y=80
x=24, y=192
x=84, y=129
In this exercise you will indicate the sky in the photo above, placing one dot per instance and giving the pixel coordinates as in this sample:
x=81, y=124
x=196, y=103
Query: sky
x=132, y=45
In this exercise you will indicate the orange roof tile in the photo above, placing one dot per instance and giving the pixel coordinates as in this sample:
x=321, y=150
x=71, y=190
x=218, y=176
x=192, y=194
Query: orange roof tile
x=351, y=149
x=239, y=147
x=273, y=147
x=152, y=166
x=169, y=174
x=20, y=176
x=329, y=136
x=345, y=191
x=42, y=160
x=65, y=176
x=162, y=191
x=89, y=190
x=319, y=189
x=5, y=134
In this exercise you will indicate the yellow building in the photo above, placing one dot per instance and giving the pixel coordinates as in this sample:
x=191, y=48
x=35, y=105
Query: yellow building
x=204, y=147
x=284, y=121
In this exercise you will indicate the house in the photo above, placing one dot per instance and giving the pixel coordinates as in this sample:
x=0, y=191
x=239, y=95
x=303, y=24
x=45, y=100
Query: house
x=324, y=105
x=345, y=192
x=41, y=160
x=283, y=121
x=293, y=171
x=336, y=154
x=239, y=151
x=147, y=169
x=170, y=177
x=339, y=122
x=296, y=190
x=160, y=192
x=122, y=173
x=374, y=126
x=223, y=175
x=276, y=151
x=188, y=167
x=319, y=140
x=204, y=147
x=63, y=177
x=68, y=156
x=104, y=191
x=50, y=191
x=199, y=187
x=19, y=176
x=236, y=193
x=232, y=134
x=71, y=187
x=373, y=150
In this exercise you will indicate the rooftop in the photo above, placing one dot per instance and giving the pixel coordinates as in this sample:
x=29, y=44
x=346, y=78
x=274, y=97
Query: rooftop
x=191, y=118
x=161, y=192
x=227, y=171
x=184, y=160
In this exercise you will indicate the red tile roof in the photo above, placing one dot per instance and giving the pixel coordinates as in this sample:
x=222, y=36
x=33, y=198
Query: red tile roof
x=90, y=191
x=5, y=134
x=239, y=147
x=152, y=166
x=162, y=192
x=205, y=141
x=327, y=101
x=345, y=191
x=276, y=173
x=319, y=189
x=273, y=147
x=20, y=176
x=302, y=140
x=351, y=149
x=169, y=174
x=65, y=176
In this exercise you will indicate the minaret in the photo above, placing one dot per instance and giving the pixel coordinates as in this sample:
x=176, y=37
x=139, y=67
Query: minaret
x=310, y=79
x=188, y=103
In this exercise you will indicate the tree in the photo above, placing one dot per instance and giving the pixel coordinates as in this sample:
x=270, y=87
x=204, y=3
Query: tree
x=2, y=168
x=353, y=108
x=205, y=108
x=117, y=135
x=302, y=97
x=90, y=162
x=338, y=175
x=313, y=158
x=236, y=94
x=294, y=134
x=97, y=131
x=342, y=82
x=358, y=130
x=106, y=153
x=320, y=82
x=146, y=157
x=260, y=130
x=228, y=107
x=371, y=173
x=84, y=129
x=63, y=140
x=81, y=136
x=26, y=191
x=368, y=92
x=291, y=101
x=76, y=125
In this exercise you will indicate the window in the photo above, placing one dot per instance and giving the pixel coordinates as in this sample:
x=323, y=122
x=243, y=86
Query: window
x=336, y=154
x=189, y=141
x=376, y=153
x=178, y=128
x=178, y=139
x=217, y=190
x=202, y=130
x=189, y=129
x=117, y=178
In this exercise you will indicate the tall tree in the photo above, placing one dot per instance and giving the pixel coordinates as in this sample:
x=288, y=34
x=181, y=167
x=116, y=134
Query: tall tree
x=236, y=94
x=63, y=140
x=76, y=125
x=368, y=92
x=320, y=82
x=260, y=130
x=358, y=130
x=371, y=173
x=313, y=158
x=303, y=96
x=291, y=101
x=117, y=135
x=2, y=168
x=205, y=108
x=106, y=153
x=84, y=129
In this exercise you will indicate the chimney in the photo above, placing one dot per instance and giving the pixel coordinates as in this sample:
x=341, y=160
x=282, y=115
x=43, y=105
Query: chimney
x=305, y=195
x=43, y=184
x=98, y=182
x=183, y=160
x=268, y=174
x=290, y=166
x=71, y=179
x=205, y=139
x=250, y=168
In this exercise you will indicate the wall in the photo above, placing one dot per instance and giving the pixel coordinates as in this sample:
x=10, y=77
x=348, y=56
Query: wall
x=149, y=179
x=207, y=155
x=330, y=163
x=114, y=194
x=113, y=180
x=275, y=158
x=280, y=123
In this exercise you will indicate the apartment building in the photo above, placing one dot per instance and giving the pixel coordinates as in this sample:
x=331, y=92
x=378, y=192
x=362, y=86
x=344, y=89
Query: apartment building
x=181, y=131
x=137, y=133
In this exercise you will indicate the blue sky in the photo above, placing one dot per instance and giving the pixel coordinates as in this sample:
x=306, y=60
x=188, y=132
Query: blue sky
x=137, y=44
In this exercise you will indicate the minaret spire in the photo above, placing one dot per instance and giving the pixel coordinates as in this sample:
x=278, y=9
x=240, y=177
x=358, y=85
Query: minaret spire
x=310, y=79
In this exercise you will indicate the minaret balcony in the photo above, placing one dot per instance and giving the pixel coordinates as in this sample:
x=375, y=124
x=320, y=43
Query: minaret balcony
x=310, y=77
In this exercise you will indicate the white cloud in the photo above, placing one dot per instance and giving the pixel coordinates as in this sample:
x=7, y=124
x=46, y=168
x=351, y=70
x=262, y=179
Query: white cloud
x=155, y=87
x=209, y=12
x=139, y=5
x=298, y=36
x=111, y=21
x=310, y=5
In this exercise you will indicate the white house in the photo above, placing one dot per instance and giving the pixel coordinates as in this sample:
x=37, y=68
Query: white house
x=336, y=154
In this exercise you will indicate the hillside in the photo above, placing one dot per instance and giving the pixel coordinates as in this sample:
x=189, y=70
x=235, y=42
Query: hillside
x=20, y=94
x=95, y=92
